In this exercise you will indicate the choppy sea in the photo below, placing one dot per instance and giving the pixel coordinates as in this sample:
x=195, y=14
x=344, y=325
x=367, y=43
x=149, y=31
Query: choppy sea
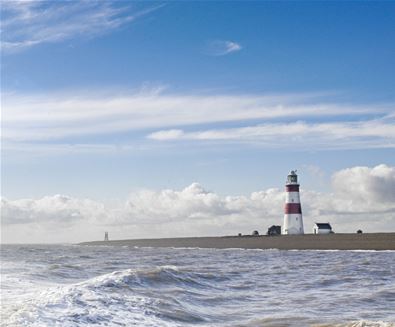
x=71, y=285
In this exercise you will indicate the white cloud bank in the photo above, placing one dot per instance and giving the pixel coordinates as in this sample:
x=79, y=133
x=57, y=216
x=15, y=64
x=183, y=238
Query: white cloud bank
x=361, y=197
x=29, y=23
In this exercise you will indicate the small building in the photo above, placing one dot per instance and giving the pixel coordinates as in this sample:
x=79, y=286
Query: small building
x=255, y=233
x=274, y=230
x=322, y=228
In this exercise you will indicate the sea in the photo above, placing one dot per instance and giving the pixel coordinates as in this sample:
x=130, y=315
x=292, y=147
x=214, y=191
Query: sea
x=75, y=285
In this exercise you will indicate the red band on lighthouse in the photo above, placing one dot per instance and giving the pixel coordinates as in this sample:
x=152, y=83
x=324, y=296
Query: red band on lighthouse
x=292, y=188
x=292, y=208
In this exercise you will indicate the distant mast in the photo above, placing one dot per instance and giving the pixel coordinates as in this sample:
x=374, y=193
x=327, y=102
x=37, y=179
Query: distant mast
x=106, y=236
x=293, y=221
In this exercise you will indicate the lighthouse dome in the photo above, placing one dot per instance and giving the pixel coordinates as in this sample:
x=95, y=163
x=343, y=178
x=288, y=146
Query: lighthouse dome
x=292, y=177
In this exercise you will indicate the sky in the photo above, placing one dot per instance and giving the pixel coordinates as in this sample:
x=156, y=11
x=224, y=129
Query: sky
x=162, y=119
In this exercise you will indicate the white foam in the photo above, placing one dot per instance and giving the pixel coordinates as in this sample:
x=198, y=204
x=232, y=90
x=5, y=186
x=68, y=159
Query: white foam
x=92, y=302
x=360, y=323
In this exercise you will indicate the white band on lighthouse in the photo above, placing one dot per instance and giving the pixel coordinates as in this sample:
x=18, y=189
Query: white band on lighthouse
x=292, y=197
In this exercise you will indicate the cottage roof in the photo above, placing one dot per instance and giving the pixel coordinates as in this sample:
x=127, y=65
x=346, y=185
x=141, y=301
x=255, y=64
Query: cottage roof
x=323, y=225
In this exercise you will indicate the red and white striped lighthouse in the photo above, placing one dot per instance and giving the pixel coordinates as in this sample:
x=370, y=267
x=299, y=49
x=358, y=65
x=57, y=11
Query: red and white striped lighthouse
x=293, y=221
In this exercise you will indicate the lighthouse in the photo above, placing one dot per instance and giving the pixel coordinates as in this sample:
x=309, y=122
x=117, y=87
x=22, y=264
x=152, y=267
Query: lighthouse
x=293, y=221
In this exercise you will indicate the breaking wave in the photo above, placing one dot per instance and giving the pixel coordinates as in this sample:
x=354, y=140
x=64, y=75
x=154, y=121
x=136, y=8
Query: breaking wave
x=127, y=297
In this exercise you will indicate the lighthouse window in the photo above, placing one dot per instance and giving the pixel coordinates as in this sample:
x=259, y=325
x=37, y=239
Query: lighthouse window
x=296, y=218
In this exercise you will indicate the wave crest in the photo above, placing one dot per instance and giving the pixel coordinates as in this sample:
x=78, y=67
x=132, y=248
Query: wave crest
x=121, y=298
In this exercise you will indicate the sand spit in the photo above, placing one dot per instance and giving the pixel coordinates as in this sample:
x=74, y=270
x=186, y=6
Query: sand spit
x=367, y=241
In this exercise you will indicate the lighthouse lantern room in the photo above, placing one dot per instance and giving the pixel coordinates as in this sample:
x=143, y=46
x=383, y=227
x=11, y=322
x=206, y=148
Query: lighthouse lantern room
x=293, y=221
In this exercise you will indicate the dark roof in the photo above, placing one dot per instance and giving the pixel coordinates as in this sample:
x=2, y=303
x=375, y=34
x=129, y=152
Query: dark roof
x=324, y=225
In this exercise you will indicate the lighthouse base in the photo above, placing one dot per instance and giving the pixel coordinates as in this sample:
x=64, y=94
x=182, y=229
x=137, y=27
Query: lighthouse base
x=293, y=224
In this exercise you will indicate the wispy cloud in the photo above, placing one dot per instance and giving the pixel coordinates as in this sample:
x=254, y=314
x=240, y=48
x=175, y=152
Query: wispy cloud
x=170, y=134
x=358, y=197
x=301, y=135
x=222, y=47
x=28, y=118
x=29, y=23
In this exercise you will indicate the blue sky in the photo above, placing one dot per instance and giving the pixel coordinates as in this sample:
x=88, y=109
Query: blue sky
x=345, y=47
x=101, y=99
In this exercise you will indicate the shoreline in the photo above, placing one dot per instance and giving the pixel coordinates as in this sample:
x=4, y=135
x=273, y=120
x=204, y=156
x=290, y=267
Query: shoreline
x=366, y=241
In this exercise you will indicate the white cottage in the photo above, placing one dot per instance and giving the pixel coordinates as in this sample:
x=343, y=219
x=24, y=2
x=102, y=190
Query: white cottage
x=322, y=228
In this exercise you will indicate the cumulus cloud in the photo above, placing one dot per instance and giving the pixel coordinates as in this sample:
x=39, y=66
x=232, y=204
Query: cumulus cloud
x=59, y=210
x=370, y=186
x=195, y=203
x=361, y=197
x=222, y=47
x=29, y=23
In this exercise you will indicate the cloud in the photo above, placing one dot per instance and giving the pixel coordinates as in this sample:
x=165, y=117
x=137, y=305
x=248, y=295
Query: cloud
x=57, y=210
x=370, y=186
x=171, y=134
x=221, y=47
x=361, y=197
x=338, y=135
x=29, y=23
x=59, y=117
